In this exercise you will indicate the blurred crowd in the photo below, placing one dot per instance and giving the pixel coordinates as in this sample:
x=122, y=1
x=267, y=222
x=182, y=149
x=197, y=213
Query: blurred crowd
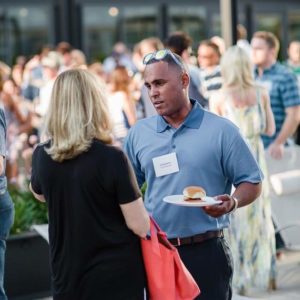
x=26, y=86
x=25, y=90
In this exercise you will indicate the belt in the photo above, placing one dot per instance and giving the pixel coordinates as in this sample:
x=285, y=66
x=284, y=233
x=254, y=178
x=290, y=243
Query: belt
x=198, y=238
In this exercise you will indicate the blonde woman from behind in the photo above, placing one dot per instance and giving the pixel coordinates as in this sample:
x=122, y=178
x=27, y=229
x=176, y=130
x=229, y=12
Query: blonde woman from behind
x=251, y=233
x=96, y=214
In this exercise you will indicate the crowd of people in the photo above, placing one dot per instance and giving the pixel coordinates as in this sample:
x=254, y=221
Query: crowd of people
x=160, y=102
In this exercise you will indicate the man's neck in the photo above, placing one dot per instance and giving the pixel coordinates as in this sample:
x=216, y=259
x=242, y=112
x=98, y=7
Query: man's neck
x=265, y=66
x=178, y=118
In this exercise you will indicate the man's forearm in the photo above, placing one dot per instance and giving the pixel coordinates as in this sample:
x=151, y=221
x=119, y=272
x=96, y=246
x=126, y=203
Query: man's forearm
x=289, y=126
x=246, y=193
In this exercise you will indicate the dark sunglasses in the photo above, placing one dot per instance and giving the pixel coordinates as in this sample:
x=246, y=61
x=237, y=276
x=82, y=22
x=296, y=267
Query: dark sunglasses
x=160, y=55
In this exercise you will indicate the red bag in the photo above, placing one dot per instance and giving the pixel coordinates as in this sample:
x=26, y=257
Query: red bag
x=167, y=276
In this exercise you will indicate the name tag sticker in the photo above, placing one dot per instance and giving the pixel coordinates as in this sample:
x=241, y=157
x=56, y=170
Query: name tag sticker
x=165, y=164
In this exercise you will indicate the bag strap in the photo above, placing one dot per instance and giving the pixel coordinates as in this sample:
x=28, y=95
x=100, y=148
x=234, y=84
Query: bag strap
x=158, y=236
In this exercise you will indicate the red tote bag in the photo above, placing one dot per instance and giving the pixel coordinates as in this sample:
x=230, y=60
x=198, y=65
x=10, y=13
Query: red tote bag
x=167, y=276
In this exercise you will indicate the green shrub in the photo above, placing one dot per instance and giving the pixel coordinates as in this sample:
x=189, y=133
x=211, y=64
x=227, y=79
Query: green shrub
x=28, y=211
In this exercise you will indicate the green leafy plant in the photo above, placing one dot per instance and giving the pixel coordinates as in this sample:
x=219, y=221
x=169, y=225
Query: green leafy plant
x=28, y=211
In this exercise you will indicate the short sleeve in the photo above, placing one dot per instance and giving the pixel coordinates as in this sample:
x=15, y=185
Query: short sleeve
x=289, y=91
x=239, y=163
x=35, y=184
x=127, y=189
x=129, y=150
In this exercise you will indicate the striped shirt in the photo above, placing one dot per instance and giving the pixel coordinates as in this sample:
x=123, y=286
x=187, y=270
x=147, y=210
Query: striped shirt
x=210, y=81
x=283, y=91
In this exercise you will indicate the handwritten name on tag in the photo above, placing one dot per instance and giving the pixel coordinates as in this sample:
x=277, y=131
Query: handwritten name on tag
x=165, y=164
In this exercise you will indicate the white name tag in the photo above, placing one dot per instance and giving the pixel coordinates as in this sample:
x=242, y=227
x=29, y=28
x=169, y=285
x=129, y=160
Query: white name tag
x=165, y=164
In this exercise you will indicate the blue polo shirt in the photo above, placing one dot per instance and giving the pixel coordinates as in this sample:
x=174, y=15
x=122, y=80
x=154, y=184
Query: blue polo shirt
x=283, y=90
x=210, y=152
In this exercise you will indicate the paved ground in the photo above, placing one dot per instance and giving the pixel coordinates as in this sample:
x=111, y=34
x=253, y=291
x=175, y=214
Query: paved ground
x=288, y=281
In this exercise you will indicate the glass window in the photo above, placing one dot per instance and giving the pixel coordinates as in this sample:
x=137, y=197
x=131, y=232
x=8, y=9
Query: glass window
x=269, y=22
x=99, y=30
x=216, y=25
x=24, y=29
x=190, y=19
x=103, y=26
x=139, y=22
x=294, y=25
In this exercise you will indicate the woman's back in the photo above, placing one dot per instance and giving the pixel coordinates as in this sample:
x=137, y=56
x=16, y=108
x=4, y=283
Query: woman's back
x=88, y=234
x=248, y=115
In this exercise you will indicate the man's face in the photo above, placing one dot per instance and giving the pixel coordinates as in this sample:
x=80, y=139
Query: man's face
x=207, y=57
x=165, y=86
x=261, y=52
x=294, y=52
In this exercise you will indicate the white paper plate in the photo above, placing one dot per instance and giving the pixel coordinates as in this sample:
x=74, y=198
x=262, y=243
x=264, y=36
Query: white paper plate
x=179, y=200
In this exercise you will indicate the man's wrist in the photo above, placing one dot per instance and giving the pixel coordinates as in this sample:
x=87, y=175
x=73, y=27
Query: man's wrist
x=235, y=205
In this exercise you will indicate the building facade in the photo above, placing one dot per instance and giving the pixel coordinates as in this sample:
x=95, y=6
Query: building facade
x=95, y=25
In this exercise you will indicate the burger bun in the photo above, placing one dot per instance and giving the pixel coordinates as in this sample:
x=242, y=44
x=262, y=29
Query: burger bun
x=192, y=193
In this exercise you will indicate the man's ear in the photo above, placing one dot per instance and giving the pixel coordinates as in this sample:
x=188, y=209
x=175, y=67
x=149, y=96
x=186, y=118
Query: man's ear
x=185, y=79
x=274, y=53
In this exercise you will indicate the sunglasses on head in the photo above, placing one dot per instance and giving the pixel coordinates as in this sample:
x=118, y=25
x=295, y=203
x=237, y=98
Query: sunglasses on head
x=160, y=55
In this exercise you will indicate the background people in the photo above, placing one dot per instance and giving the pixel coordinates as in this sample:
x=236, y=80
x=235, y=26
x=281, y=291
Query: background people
x=18, y=122
x=251, y=233
x=96, y=214
x=180, y=43
x=144, y=47
x=210, y=76
x=6, y=205
x=121, y=103
x=293, y=63
x=282, y=87
x=198, y=148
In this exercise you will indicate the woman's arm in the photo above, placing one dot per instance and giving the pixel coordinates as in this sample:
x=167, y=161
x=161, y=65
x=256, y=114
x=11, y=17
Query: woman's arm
x=136, y=217
x=270, y=122
x=37, y=196
x=129, y=109
x=216, y=103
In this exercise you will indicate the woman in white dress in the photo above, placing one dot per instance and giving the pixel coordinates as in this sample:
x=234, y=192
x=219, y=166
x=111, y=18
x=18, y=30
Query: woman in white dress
x=251, y=233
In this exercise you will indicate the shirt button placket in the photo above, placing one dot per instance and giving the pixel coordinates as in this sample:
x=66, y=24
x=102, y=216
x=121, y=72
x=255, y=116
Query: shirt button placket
x=173, y=142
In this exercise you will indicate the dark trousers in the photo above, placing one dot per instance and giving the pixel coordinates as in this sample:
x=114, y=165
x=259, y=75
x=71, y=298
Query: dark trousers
x=211, y=265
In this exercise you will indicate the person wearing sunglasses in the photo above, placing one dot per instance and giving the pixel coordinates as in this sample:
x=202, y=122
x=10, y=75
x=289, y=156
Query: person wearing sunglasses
x=186, y=145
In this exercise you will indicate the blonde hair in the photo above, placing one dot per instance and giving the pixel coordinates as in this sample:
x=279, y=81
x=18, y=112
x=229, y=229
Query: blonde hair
x=77, y=114
x=237, y=69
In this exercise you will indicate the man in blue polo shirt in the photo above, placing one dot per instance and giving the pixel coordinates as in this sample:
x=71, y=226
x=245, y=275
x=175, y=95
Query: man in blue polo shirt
x=185, y=145
x=282, y=87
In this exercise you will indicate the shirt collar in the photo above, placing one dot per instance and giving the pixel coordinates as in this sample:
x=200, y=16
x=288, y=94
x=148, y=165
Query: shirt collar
x=272, y=67
x=193, y=119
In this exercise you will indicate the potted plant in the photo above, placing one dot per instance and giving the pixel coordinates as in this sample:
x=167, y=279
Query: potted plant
x=27, y=271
